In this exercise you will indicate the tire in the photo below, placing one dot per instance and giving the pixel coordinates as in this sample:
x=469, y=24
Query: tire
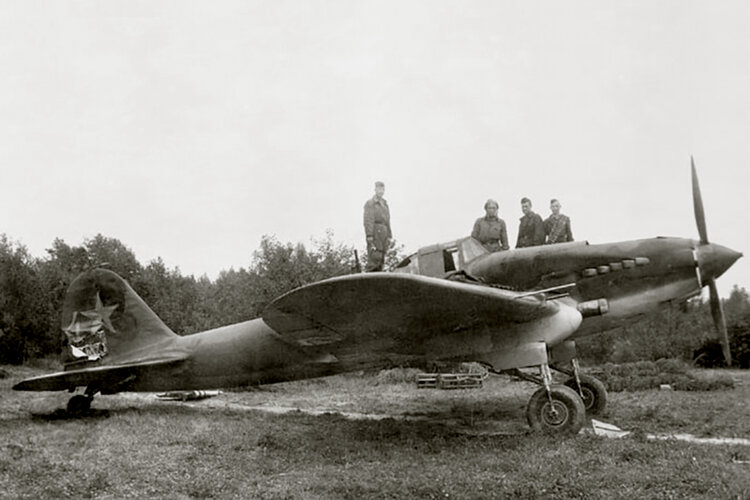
x=564, y=415
x=79, y=404
x=594, y=393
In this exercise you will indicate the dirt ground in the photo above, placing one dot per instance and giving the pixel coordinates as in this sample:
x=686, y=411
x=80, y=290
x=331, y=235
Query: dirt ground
x=366, y=436
x=496, y=408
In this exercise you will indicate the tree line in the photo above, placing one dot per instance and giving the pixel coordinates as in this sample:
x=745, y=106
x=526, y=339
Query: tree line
x=32, y=291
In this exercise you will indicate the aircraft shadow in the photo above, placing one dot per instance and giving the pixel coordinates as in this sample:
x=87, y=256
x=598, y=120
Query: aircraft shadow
x=63, y=414
x=459, y=417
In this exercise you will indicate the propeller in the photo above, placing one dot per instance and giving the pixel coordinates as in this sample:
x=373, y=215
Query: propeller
x=717, y=311
x=700, y=216
x=720, y=321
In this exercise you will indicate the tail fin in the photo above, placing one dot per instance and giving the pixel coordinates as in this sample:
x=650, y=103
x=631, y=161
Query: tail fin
x=106, y=322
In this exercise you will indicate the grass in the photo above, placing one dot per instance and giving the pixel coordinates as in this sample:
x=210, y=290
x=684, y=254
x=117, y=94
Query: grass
x=464, y=444
x=643, y=375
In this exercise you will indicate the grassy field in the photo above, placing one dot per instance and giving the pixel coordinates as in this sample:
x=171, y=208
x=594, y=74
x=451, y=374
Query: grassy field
x=439, y=444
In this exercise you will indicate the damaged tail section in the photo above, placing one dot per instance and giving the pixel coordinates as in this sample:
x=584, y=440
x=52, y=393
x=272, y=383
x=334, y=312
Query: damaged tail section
x=106, y=322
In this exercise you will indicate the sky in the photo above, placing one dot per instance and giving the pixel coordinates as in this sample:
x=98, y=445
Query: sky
x=188, y=130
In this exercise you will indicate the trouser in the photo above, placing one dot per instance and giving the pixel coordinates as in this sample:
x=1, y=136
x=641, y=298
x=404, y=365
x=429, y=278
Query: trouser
x=375, y=260
x=377, y=249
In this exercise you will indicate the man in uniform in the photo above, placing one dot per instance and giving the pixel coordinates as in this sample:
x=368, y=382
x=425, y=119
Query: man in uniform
x=377, y=229
x=557, y=225
x=490, y=230
x=531, y=228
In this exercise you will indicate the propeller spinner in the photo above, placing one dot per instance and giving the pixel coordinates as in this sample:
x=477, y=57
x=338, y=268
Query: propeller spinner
x=712, y=260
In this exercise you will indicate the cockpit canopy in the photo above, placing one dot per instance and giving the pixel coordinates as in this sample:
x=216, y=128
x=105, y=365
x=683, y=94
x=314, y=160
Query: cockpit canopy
x=442, y=258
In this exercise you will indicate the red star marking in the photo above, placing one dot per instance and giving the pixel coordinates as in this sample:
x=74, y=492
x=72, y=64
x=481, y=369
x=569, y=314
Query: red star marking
x=91, y=319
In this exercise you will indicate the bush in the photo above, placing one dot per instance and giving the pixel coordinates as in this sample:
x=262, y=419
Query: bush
x=710, y=354
x=645, y=375
x=675, y=332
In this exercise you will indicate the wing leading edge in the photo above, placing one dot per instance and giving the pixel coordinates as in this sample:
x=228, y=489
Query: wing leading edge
x=396, y=306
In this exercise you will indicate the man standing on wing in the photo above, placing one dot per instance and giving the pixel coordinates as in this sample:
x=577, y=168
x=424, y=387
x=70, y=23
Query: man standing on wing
x=377, y=221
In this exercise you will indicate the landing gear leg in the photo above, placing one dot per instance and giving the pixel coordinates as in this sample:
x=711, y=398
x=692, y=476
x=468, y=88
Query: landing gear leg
x=591, y=389
x=555, y=408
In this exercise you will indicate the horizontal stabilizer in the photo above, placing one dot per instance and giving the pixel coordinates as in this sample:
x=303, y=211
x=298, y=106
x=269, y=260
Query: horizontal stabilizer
x=106, y=378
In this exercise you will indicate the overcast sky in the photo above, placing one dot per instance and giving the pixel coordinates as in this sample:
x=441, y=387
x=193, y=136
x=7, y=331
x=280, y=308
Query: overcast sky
x=188, y=130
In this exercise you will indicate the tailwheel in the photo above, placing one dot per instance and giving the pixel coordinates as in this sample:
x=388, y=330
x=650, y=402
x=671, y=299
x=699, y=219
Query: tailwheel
x=558, y=411
x=592, y=391
x=79, y=404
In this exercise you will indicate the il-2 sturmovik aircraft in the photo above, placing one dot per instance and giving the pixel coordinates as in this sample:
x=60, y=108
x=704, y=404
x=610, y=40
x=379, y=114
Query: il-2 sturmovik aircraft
x=509, y=310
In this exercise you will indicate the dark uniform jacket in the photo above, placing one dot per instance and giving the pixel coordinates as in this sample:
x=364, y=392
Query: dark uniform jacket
x=491, y=233
x=377, y=221
x=530, y=231
x=557, y=229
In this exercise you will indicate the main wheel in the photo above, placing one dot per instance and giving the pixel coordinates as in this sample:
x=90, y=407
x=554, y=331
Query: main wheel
x=563, y=414
x=594, y=394
x=79, y=404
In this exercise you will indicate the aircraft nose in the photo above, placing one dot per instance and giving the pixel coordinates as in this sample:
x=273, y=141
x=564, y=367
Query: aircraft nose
x=714, y=259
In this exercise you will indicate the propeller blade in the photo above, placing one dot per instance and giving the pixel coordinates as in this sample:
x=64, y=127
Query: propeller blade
x=720, y=321
x=700, y=217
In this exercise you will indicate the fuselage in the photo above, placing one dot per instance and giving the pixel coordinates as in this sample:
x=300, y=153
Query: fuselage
x=634, y=277
x=599, y=288
x=246, y=353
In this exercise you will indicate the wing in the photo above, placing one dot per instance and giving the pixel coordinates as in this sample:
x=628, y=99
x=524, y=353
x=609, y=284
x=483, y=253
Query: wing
x=401, y=307
x=107, y=378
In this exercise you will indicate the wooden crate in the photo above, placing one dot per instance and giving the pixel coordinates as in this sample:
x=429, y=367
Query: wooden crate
x=450, y=380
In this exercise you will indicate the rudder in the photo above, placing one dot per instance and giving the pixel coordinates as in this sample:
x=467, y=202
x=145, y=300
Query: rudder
x=106, y=322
